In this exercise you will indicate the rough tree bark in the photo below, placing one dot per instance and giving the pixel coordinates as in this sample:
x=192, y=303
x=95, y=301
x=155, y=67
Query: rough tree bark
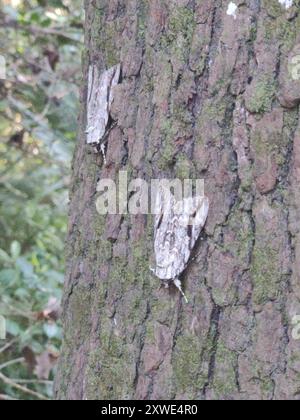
x=204, y=94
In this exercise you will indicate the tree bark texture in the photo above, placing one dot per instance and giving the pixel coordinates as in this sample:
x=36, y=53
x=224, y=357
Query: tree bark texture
x=204, y=94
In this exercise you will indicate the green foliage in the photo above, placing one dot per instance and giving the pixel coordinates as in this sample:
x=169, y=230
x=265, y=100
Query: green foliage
x=41, y=43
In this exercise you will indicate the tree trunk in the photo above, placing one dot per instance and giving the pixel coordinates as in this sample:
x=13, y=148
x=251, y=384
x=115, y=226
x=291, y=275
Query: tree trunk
x=208, y=91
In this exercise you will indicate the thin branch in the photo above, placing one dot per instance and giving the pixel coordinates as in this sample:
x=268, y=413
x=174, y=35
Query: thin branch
x=15, y=340
x=21, y=388
x=8, y=345
x=32, y=382
x=12, y=362
x=36, y=30
x=21, y=107
x=13, y=311
x=70, y=79
x=7, y=398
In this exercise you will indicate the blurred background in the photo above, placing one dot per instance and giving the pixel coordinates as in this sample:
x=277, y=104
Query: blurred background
x=40, y=44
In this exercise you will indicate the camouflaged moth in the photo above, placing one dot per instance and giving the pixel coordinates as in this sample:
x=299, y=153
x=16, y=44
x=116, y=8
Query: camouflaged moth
x=99, y=102
x=178, y=225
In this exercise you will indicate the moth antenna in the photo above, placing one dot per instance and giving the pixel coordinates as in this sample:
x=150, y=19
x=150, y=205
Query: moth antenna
x=178, y=284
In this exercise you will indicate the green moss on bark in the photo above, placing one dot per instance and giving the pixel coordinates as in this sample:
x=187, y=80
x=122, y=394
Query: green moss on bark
x=225, y=381
x=178, y=37
x=265, y=274
x=187, y=365
x=262, y=96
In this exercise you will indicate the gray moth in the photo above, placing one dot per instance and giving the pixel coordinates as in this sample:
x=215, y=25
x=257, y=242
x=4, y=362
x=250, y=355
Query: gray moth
x=99, y=102
x=178, y=225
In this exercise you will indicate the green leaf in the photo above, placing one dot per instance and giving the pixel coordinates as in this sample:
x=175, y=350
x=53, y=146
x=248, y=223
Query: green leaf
x=8, y=277
x=12, y=328
x=34, y=17
x=22, y=294
x=15, y=249
x=25, y=267
x=4, y=257
x=51, y=330
x=46, y=22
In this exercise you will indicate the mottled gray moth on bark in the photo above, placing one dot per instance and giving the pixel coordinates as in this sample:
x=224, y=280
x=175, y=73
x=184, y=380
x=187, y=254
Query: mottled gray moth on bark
x=178, y=225
x=99, y=101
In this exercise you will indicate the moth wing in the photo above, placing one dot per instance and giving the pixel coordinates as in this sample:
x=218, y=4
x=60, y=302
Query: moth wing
x=183, y=250
x=201, y=212
x=199, y=220
x=93, y=80
x=114, y=82
x=100, y=97
x=192, y=220
x=158, y=211
x=163, y=247
x=164, y=207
